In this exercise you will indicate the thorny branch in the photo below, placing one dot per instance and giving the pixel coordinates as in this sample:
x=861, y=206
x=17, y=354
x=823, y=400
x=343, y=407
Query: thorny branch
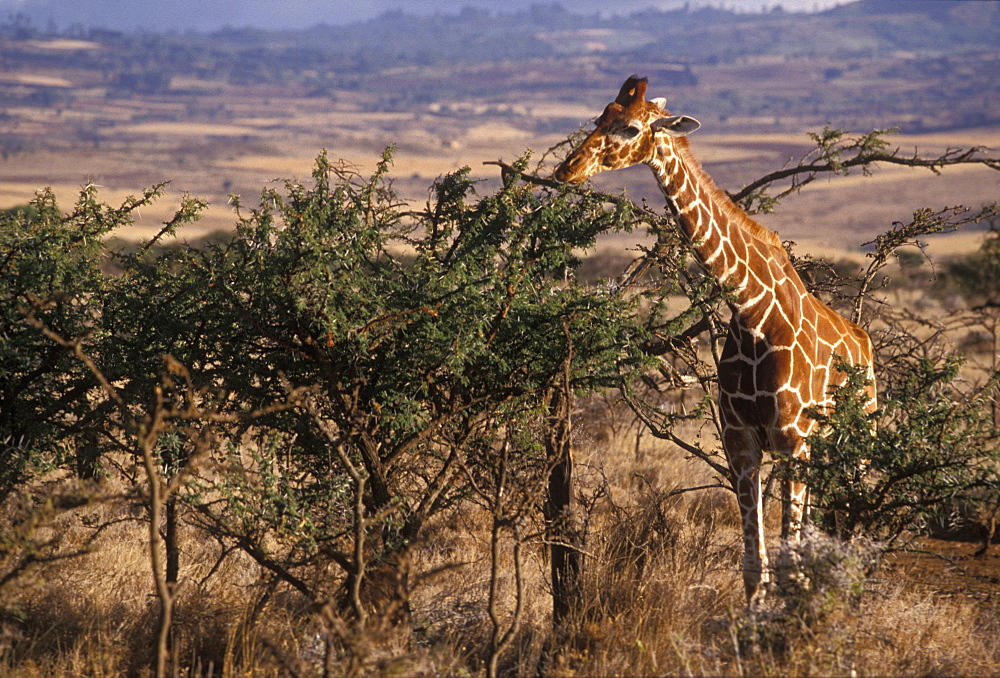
x=925, y=222
x=828, y=157
x=864, y=151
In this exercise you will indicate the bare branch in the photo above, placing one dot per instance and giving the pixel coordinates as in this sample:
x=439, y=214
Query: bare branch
x=867, y=149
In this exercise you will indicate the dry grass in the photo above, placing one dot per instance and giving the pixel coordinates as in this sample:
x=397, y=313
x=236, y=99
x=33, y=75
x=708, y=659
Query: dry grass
x=96, y=614
x=662, y=596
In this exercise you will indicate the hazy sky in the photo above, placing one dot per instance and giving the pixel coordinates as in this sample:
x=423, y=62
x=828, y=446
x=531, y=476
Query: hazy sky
x=212, y=14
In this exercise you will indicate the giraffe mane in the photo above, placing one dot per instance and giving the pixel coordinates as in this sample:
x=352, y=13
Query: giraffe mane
x=632, y=96
x=747, y=223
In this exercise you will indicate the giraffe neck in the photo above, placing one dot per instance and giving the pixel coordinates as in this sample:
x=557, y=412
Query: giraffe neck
x=746, y=257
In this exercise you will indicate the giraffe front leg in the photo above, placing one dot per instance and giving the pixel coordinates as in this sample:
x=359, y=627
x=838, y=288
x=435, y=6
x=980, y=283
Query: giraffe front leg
x=746, y=474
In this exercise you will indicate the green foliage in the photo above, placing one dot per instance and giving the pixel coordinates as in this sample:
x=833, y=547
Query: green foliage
x=833, y=144
x=414, y=343
x=836, y=152
x=50, y=265
x=424, y=340
x=932, y=445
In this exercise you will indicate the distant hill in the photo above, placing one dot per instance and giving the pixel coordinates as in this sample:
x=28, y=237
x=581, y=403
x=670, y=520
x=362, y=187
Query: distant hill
x=939, y=10
x=188, y=15
x=918, y=63
x=866, y=29
x=484, y=31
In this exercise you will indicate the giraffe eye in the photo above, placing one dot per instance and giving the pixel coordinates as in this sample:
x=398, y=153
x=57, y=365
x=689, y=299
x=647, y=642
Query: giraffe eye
x=630, y=131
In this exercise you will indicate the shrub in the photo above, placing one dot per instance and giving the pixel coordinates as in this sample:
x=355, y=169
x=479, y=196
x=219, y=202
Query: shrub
x=932, y=445
x=418, y=343
x=51, y=269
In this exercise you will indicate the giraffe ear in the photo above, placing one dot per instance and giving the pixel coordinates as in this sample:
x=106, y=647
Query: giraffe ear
x=676, y=125
x=660, y=102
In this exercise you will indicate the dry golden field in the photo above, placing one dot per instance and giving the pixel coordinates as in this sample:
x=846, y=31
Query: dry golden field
x=238, y=140
x=662, y=585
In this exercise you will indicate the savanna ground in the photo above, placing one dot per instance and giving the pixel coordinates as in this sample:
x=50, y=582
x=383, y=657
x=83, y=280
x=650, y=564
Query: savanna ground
x=662, y=580
x=662, y=588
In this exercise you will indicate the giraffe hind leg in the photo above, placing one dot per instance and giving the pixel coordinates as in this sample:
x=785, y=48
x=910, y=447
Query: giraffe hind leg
x=794, y=499
x=794, y=509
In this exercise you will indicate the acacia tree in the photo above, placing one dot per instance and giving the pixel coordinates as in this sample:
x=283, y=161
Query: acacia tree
x=46, y=256
x=422, y=337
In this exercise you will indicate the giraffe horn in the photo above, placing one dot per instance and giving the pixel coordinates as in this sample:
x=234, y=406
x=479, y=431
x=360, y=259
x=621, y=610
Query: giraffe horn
x=633, y=90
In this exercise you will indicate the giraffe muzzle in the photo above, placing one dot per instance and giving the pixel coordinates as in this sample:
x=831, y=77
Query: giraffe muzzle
x=567, y=172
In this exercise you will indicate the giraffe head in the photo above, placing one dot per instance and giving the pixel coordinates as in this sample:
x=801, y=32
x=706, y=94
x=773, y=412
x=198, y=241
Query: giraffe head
x=627, y=134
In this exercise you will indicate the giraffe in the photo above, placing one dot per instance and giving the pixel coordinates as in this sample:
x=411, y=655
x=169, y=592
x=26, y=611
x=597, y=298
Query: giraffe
x=778, y=358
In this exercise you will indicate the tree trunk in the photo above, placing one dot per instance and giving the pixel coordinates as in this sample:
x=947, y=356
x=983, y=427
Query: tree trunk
x=565, y=534
x=171, y=542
